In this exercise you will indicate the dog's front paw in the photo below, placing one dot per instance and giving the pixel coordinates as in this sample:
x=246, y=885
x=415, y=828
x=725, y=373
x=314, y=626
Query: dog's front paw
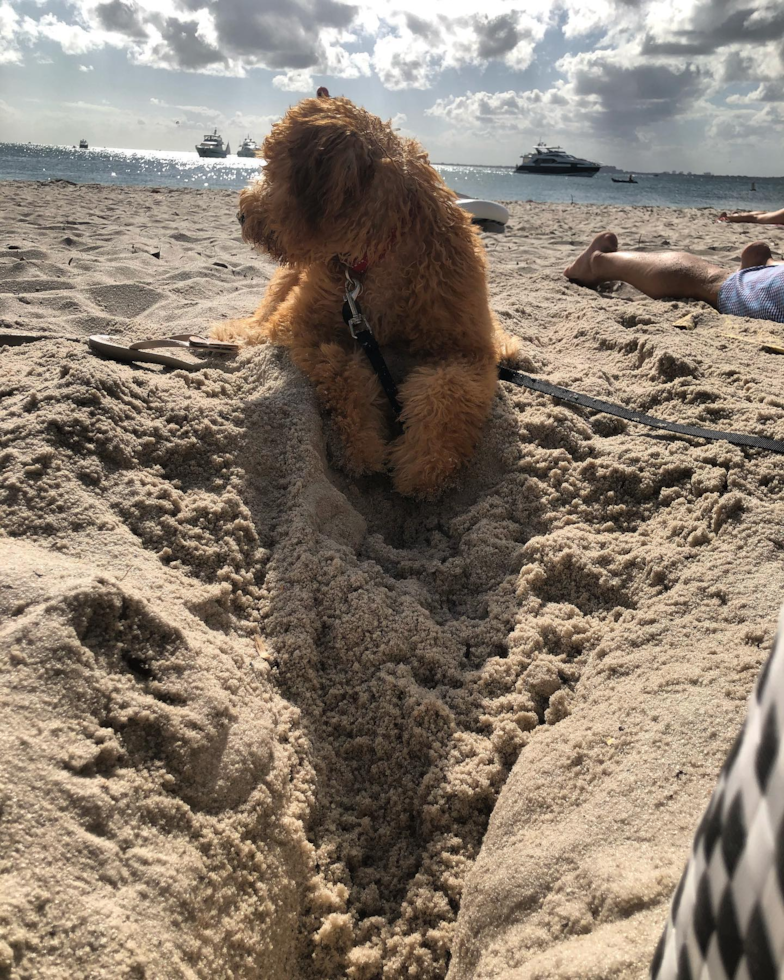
x=364, y=453
x=416, y=476
x=245, y=331
x=508, y=350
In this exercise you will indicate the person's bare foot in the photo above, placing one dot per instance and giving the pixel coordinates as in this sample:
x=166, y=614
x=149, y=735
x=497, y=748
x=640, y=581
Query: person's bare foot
x=755, y=254
x=581, y=270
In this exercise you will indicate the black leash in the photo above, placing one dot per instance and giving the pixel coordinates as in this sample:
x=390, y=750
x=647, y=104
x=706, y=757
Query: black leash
x=566, y=395
x=361, y=332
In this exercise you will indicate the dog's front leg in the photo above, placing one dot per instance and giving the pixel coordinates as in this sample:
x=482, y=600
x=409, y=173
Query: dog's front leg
x=350, y=390
x=444, y=408
x=260, y=328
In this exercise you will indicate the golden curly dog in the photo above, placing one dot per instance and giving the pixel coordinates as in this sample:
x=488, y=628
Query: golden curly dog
x=341, y=190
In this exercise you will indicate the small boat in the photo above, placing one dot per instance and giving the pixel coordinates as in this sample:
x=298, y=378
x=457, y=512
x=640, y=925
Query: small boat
x=212, y=146
x=554, y=160
x=83, y=144
x=248, y=148
x=624, y=180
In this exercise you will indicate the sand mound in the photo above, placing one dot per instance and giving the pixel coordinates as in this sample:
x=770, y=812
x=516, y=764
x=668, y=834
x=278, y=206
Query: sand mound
x=257, y=716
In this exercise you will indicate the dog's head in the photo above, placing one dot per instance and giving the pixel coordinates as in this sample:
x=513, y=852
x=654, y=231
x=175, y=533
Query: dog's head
x=328, y=187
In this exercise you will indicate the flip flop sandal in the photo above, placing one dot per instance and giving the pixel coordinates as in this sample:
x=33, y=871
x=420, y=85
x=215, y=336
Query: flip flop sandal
x=151, y=350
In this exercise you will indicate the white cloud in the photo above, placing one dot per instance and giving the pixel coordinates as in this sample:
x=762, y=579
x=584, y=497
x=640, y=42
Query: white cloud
x=86, y=68
x=761, y=128
x=628, y=94
x=72, y=38
x=10, y=35
x=488, y=114
x=295, y=81
x=415, y=48
x=405, y=62
x=765, y=92
x=344, y=64
x=699, y=27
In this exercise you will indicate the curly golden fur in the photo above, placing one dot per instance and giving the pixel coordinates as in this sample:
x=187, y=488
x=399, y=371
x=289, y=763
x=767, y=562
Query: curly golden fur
x=340, y=188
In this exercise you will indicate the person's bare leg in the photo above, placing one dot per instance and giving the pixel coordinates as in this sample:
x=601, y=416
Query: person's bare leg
x=750, y=217
x=772, y=218
x=755, y=217
x=679, y=275
x=756, y=254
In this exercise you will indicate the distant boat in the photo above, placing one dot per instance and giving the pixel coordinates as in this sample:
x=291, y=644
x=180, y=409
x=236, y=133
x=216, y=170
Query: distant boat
x=248, y=148
x=624, y=180
x=83, y=144
x=556, y=161
x=212, y=146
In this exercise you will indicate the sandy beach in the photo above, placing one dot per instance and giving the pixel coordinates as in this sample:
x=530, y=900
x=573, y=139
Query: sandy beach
x=260, y=720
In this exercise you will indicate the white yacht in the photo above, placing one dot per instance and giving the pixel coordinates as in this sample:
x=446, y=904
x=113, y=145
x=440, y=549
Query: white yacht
x=212, y=146
x=248, y=148
x=554, y=160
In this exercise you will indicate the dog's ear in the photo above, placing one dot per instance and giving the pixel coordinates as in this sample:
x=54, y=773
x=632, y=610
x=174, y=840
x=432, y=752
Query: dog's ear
x=332, y=168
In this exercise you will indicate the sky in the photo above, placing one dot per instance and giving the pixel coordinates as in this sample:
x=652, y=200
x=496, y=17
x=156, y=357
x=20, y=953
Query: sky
x=644, y=85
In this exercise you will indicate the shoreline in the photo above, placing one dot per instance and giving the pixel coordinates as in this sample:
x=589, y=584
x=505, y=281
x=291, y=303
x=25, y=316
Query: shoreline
x=262, y=720
x=508, y=203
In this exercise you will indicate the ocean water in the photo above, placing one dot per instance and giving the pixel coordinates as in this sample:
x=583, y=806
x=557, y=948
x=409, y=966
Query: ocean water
x=165, y=168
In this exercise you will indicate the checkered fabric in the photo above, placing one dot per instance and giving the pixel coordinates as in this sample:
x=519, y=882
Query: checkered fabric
x=757, y=292
x=726, y=920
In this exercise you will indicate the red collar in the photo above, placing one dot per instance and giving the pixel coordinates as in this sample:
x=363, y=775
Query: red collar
x=361, y=266
x=364, y=263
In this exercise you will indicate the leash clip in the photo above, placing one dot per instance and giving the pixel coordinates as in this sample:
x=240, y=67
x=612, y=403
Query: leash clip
x=353, y=286
x=352, y=313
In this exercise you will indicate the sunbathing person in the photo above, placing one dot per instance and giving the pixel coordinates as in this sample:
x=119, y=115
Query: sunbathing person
x=756, y=289
x=755, y=217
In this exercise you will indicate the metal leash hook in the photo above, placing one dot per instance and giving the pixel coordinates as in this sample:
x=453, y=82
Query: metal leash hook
x=355, y=320
x=353, y=286
x=352, y=314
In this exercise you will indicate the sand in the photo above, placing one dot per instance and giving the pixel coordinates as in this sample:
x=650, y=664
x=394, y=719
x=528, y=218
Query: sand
x=260, y=720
